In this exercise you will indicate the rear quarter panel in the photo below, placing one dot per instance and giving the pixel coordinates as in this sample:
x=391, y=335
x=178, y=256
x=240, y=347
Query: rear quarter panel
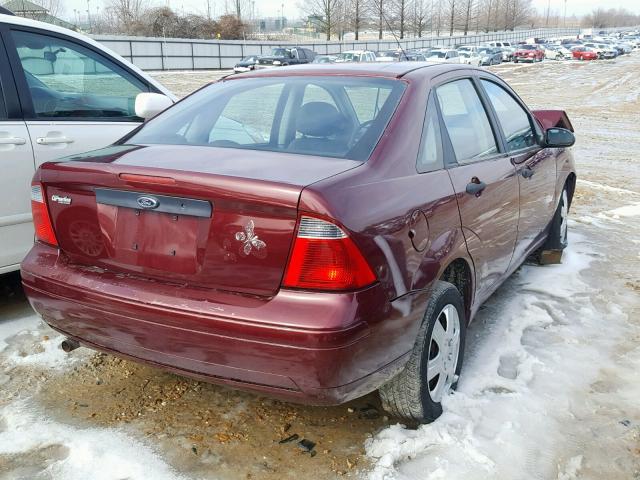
x=381, y=202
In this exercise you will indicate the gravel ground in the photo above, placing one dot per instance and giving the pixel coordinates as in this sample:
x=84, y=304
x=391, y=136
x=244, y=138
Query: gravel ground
x=70, y=416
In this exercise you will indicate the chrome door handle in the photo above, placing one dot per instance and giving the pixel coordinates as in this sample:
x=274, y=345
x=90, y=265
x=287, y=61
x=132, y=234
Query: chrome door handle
x=12, y=141
x=53, y=140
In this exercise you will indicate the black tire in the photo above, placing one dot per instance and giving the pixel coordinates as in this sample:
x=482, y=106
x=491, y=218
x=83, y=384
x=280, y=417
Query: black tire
x=408, y=394
x=558, y=238
x=515, y=60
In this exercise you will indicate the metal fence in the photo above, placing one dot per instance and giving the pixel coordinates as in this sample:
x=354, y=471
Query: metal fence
x=191, y=54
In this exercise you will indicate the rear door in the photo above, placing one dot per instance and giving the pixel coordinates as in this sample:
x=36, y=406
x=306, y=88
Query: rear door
x=483, y=178
x=74, y=98
x=16, y=162
x=535, y=166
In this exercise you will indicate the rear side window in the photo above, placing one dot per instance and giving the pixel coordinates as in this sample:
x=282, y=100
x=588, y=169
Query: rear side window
x=513, y=119
x=332, y=116
x=67, y=80
x=430, y=157
x=466, y=121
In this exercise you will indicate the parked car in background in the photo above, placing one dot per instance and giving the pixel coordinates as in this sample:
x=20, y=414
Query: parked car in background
x=505, y=47
x=528, y=53
x=260, y=263
x=604, y=51
x=415, y=56
x=281, y=57
x=470, y=58
x=325, y=59
x=389, y=55
x=444, y=55
x=584, y=53
x=246, y=64
x=61, y=93
x=556, y=52
x=356, y=56
x=490, y=55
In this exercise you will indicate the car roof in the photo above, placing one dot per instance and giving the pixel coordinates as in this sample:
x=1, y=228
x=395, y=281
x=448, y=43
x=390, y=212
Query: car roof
x=26, y=22
x=385, y=70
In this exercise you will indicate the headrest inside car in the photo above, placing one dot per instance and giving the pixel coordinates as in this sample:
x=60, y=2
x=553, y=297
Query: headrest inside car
x=319, y=119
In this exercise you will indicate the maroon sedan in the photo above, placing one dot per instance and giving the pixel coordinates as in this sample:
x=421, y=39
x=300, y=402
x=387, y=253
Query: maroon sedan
x=313, y=233
x=528, y=53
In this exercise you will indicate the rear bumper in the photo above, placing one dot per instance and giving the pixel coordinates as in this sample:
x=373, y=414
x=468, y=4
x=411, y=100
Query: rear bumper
x=317, y=348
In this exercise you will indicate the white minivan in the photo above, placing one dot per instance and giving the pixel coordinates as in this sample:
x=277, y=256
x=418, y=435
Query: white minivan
x=61, y=93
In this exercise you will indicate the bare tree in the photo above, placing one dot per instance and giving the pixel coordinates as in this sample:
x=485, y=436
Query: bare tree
x=401, y=7
x=419, y=17
x=327, y=13
x=127, y=14
x=451, y=5
x=468, y=9
x=355, y=15
x=378, y=8
x=55, y=7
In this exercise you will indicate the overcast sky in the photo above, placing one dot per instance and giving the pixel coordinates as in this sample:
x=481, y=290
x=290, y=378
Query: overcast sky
x=272, y=7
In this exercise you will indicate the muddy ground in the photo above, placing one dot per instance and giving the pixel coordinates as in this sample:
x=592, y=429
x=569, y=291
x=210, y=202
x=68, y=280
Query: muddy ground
x=207, y=431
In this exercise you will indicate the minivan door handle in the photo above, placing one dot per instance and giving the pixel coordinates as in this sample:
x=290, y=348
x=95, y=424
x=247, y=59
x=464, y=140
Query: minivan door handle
x=12, y=141
x=53, y=140
x=475, y=187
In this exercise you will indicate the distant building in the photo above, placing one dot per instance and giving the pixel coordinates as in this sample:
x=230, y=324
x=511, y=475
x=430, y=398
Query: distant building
x=27, y=9
x=271, y=24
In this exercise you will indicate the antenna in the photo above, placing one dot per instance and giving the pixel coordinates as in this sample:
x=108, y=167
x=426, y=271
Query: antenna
x=384, y=17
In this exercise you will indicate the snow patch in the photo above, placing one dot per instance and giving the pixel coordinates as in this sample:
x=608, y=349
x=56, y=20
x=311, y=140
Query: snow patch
x=531, y=348
x=62, y=451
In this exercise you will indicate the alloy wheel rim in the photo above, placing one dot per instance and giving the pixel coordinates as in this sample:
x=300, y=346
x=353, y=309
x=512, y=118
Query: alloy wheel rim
x=444, y=348
x=564, y=217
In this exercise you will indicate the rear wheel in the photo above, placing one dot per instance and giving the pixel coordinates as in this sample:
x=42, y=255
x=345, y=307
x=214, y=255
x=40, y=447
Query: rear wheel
x=416, y=393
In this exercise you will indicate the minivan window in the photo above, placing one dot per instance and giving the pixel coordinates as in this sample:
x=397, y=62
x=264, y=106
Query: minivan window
x=513, y=119
x=466, y=121
x=303, y=115
x=67, y=80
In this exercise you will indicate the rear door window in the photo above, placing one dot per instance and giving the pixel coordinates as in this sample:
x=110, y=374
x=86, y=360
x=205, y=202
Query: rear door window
x=466, y=121
x=514, y=120
x=67, y=80
x=430, y=156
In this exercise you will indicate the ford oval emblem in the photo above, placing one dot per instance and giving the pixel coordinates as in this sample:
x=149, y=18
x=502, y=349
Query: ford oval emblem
x=148, y=203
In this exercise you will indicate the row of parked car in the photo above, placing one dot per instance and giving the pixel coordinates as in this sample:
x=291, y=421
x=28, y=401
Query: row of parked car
x=491, y=53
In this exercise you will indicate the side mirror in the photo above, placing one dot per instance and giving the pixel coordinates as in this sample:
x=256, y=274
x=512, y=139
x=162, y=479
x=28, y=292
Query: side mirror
x=559, y=137
x=148, y=105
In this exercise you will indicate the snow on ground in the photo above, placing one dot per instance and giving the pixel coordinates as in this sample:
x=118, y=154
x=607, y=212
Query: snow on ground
x=541, y=343
x=72, y=453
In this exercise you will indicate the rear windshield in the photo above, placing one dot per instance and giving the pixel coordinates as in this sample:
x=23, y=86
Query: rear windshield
x=340, y=117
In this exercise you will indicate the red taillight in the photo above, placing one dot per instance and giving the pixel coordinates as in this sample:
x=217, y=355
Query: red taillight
x=325, y=258
x=41, y=219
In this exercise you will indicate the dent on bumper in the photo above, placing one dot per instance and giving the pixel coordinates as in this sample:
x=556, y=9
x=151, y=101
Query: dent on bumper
x=300, y=346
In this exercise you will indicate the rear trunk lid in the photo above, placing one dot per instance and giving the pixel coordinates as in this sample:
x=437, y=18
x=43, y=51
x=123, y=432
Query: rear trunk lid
x=196, y=216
